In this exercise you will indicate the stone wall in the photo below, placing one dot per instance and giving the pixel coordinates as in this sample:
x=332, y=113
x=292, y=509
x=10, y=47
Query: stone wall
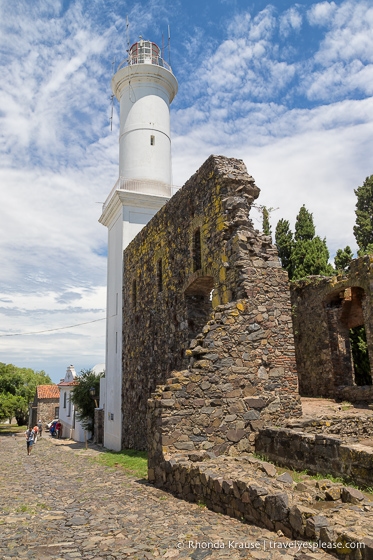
x=324, y=309
x=254, y=491
x=318, y=453
x=99, y=419
x=198, y=277
x=44, y=410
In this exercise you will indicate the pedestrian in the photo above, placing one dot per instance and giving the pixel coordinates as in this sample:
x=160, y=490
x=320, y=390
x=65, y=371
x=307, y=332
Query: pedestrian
x=59, y=429
x=36, y=433
x=40, y=428
x=30, y=437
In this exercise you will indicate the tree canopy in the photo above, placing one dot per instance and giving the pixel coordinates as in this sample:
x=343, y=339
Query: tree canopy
x=343, y=258
x=82, y=398
x=363, y=229
x=17, y=390
x=266, y=223
x=303, y=254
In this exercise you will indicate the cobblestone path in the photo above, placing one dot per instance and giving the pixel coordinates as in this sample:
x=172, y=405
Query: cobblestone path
x=59, y=504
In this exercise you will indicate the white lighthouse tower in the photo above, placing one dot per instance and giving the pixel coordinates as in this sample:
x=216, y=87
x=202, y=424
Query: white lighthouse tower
x=144, y=86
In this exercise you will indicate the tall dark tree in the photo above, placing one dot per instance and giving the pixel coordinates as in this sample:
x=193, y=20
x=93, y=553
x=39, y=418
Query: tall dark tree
x=363, y=230
x=304, y=226
x=83, y=400
x=306, y=254
x=266, y=225
x=343, y=258
x=284, y=242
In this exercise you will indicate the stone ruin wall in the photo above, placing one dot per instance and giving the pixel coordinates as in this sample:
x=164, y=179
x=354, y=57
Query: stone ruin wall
x=230, y=362
x=324, y=309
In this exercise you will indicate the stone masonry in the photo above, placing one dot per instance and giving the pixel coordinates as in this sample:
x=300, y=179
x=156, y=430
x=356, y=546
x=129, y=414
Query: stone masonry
x=205, y=291
x=324, y=309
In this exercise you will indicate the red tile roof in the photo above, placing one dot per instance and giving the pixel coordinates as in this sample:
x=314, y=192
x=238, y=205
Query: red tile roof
x=68, y=383
x=47, y=392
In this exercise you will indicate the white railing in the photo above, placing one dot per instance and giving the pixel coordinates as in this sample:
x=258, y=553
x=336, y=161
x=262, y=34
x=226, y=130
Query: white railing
x=144, y=186
x=143, y=59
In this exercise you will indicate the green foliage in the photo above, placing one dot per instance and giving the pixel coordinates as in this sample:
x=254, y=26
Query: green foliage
x=17, y=390
x=342, y=259
x=360, y=356
x=310, y=257
x=363, y=230
x=267, y=230
x=82, y=398
x=284, y=242
x=305, y=254
x=304, y=226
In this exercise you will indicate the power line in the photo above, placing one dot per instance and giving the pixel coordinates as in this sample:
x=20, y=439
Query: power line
x=51, y=330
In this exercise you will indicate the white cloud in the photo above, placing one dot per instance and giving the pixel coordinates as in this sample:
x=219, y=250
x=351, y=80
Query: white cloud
x=289, y=21
x=321, y=13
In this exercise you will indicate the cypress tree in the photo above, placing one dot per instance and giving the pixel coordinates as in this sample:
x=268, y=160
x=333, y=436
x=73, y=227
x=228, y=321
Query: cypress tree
x=284, y=242
x=363, y=230
x=342, y=259
x=306, y=254
x=266, y=225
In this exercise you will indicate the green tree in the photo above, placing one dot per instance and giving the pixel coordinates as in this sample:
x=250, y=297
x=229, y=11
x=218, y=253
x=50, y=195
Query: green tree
x=267, y=230
x=306, y=254
x=83, y=400
x=17, y=390
x=284, y=241
x=363, y=230
x=343, y=258
x=304, y=226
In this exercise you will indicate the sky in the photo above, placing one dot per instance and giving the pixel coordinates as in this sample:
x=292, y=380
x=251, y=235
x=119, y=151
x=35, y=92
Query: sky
x=287, y=87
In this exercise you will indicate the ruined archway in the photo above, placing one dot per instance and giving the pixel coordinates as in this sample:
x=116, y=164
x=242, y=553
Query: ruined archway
x=348, y=345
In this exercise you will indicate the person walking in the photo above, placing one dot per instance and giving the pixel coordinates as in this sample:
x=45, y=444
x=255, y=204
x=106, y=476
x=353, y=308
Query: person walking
x=40, y=428
x=30, y=437
x=59, y=430
x=36, y=433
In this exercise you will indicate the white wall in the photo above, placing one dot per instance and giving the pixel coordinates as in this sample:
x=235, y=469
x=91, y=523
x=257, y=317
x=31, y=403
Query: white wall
x=132, y=212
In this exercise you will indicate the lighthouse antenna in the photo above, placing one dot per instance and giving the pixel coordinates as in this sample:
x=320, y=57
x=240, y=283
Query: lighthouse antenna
x=169, y=46
x=162, y=48
x=111, y=111
x=128, y=35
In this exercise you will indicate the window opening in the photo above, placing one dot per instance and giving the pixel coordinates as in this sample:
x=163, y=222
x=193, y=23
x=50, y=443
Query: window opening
x=134, y=294
x=360, y=356
x=64, y=399
x=197, y=258
x=159, y=276
x=152, y=140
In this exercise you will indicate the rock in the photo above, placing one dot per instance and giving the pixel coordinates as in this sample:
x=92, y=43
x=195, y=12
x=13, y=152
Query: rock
x=286, y=478
x=276, y=506
x=333, y=493
x=314, y=525
x=351, y=495
x=269, y=469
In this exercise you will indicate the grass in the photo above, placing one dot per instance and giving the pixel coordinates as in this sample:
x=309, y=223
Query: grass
x=134, y=463
x=12, y=429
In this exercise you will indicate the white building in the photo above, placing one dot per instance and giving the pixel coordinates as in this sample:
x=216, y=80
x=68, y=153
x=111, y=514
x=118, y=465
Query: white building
x=144, y=86
x=71, y=427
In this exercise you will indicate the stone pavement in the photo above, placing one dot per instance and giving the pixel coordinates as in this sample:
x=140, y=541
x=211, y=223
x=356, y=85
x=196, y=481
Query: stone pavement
x=59, y=504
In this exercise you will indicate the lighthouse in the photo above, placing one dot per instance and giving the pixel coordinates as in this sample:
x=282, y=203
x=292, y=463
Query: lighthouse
x=145, y=86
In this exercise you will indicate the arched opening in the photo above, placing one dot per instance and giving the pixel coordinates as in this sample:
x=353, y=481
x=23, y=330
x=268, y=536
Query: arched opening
x=198, y=304
x=348, y=342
